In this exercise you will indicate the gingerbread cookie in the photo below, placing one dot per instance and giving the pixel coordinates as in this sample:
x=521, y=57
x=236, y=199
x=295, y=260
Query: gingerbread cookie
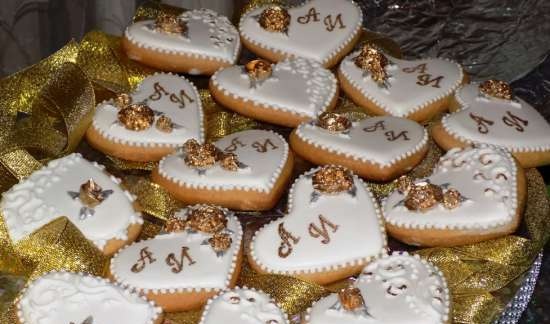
x=489, y=113
x=198, y=255
x=195, y=42
x=397, y=289
x=80, y=190
x=243, y=306
x=285, y=93
x=378, y=148
x=332, y=229
x=321, y=30
x=149, y=123
x=384, y=85
x=247, y=170
x=474, y=194
x=77, y=298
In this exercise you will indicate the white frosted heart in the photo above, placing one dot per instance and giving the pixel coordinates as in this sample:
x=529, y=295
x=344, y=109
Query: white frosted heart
x=167, y=94
x=264, y=154
x=209, y=36
x=44, y=196
x=145, y=265
x=515, y=125
x=413, y=85
x=297, y=86
x=64, y=297
x=486, y=176
x=331, y=26
x=397, y=289
x=381, y=140
x=243, y=306
x=328, y=231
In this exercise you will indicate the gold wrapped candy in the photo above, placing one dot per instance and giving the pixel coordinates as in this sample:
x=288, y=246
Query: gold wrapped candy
x=333, y=122
x=207, y=219
x=351, y=298
x=170, y=24
x=220, y=242
x=91, y=194
x=200, y=156
x=374, y=62
x=136, y=117
x=332, y=179
x=275, y=19
x=423, y=196
x=164, y=124
x=258, y=70
x=496, y=89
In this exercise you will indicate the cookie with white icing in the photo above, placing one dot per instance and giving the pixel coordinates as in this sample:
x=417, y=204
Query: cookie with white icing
x=195, y=42
x=159, y=116
x=487, y=116
x=378, y=148
x=384, y=85
x=322, y=30
x=474, y=194
x=76, y=298
x=197, y=256
x=243, y=306
x=246, y=170
x=80, y=190
x=397, y=289
x=332, y=230
x=285, y=93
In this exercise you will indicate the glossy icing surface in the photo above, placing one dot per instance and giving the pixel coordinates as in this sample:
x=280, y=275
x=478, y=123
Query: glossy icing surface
x=412, y=84
x=263, y=152
x=299, y=86
x=515, y=125
x=319, y=29
x=64, y=297
x=485, y=176
x=381, y=140
x=43, y=196
x=167, y=94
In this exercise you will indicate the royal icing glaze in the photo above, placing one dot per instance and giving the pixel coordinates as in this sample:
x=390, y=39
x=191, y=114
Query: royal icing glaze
x=486, y=176
x=243, y=306
x=382, y=140
x=336, y=23
x=178, y=261
x=45, y=195
x=209, y=36
x=321, y=234
x=263, y=153
x=65, y=297
x=412, y=85
x=167, y=94
x=298, y=86
x=515, y=124
x=397, y=289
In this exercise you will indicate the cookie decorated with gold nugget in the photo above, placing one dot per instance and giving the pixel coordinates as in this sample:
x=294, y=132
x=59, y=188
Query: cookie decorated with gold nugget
x=154, y=120
x=246, y=170
x=378, y=148
x=196, y=42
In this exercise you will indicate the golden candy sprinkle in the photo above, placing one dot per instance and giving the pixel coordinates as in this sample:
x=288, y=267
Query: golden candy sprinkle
x=373, y=61
x=403, y=184
x=122, y=100
x=451, y=198
x=229, y=161
x=136, y=117
x=496, y=89
x=423, y=196
x=332, y=179
x=91, y=194
x=164, y=124
x=175, y=224
x=220, y=242
x=275, y=19
x=258, y=70
x=207, y=219
x=334, y=122
x=170, y=24
x=200, y=156
x=351, y=298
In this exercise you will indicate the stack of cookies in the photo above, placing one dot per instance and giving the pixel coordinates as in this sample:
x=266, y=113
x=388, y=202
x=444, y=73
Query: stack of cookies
x=333, y=228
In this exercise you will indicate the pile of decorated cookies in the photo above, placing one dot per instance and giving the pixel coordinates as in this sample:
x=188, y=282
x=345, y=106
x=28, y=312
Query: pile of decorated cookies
x=334, y=228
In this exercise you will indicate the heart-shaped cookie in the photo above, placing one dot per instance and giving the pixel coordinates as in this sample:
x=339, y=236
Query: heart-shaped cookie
x=76, y=298
x=379, y=148
x=294, y=90
x=416, y=89
x=195, y=42
x=333, y=228
x=172, y=114
x=322, y=30
x=247, y=170
x=473, y=194
x=397, y=289
x=243, y=306
x=80, y=190
x=197, y=257
x=513, y=124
